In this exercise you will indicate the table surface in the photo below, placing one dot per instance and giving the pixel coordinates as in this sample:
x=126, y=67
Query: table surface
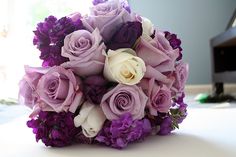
x=207, y=132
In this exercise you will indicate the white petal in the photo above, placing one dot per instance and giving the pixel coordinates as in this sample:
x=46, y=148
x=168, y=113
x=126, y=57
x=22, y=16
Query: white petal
x=94, y=122
x=84, y=112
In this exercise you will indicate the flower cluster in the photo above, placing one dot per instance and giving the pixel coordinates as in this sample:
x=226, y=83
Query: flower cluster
x=109, y=77
x=54, y=129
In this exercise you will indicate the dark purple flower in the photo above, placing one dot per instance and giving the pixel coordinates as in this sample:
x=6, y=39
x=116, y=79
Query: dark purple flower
x=62, y=28
x=161, y=124
x=175, y=43
x=52, y=56
x=54, y=129
x=166, y=126
x=94, y=88
x=49, y=37
x=118, y=133
x=126, y=36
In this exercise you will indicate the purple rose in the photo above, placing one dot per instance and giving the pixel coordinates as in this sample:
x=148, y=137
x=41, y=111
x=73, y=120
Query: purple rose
x=158, y=53
x=126, y=36
x=84, y=49
x=94, y=88
x=124, y=99
x=159, y=96
x=181, y=76
x=107, y=17
x=59, y=90
x=27, y=91
x=152, y=73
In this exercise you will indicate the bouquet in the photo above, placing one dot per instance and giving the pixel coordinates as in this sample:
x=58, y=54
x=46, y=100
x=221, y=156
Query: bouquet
x=109, y=78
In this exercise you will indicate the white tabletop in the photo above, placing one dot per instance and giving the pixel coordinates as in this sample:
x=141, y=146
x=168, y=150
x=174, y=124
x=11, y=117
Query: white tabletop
x=207, y=132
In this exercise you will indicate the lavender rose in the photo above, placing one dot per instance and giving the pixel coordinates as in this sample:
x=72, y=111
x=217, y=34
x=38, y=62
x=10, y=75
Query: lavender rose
x=59, y=90
x=27, y=92
x=84, y=49
x=124, y=99
x=107, y=17
x=158, y=53
x=126, y=36
x=181, y=76
x=159, y=96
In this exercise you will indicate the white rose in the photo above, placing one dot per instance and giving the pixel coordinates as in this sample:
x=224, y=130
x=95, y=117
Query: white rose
x=123, y=66
x=91, y=119
x=148, y=28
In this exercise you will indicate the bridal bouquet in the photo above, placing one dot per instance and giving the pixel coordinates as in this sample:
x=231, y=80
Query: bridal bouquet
x=109, y=78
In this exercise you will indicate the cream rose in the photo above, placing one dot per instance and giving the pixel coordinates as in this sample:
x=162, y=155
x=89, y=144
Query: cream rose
x=123, y=66
x=148, y=28
x=91, y=119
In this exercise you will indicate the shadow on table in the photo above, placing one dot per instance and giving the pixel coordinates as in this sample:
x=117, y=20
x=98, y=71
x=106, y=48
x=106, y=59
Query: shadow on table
x=178, y=145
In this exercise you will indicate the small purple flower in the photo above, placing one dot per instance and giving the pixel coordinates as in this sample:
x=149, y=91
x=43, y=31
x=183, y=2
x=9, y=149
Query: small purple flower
x=51, y=56
x=175, y=43
x=54, y=129
x=63, y=27
x=49, y=37
x=118, y=133
x=166, y=126
x=126, y=36
x=94, y=88
x=180, y=99
x=179, y=112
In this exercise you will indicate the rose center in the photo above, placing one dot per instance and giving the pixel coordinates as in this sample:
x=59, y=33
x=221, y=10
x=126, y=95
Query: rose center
x=52, y=87
x=159, y=100
x=58, y=88
x=127, y=72
x=83, y=43
x=122, y=101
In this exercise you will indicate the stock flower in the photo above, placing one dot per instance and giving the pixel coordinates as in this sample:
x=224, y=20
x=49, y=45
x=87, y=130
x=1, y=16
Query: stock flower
x=124, y=99
x=91, y=119
x=84, y=49
x=165, y=126
x=118, y=133
x=175, y=43
x=54, y=129
x=49, y=36
x=124, y=66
